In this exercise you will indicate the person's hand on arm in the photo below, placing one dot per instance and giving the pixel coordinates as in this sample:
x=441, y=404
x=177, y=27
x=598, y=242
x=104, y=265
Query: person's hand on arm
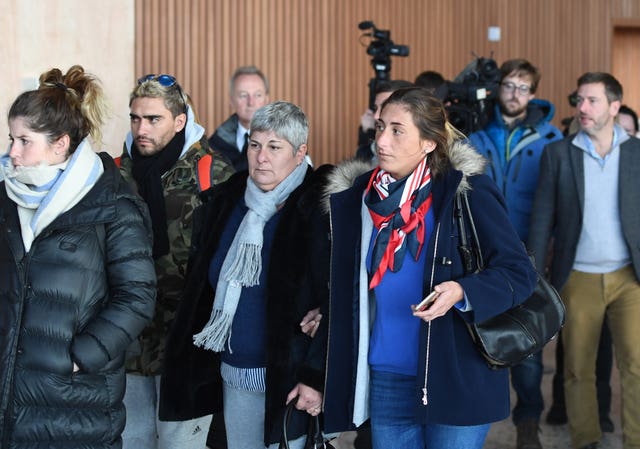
x=309, y=400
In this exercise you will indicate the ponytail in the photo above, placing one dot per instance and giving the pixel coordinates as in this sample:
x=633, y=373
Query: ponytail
x=72, y=104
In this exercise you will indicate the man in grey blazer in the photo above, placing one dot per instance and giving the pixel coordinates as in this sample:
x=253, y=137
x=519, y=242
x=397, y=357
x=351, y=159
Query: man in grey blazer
x=588, y=204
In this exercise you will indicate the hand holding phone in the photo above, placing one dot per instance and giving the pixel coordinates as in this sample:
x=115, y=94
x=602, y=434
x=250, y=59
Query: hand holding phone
x=426, y=302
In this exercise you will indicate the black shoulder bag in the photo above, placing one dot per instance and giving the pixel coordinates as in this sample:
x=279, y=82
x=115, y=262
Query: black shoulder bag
x=508, y=338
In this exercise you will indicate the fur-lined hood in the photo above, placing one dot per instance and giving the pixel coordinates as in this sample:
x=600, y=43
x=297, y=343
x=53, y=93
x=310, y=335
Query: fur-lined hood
x=463, y=157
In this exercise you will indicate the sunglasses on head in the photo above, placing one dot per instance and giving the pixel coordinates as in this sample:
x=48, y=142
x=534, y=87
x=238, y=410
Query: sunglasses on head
x=165, y=81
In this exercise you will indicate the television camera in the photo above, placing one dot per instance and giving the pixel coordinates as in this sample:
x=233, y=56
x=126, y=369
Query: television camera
x=381, y=48
x=470, y=97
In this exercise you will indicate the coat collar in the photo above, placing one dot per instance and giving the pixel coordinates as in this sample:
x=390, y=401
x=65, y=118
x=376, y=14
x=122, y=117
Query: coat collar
x=464, y=159
x=99, y=204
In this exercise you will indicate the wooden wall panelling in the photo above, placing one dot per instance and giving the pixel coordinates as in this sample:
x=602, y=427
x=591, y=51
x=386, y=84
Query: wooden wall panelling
x=311, y=53
x=625, y=62
x=38, y=36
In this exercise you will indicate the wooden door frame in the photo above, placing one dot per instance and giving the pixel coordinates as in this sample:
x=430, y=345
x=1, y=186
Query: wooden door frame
x=618, y=25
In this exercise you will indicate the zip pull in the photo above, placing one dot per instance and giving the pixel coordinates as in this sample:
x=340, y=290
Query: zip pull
x=426, y=362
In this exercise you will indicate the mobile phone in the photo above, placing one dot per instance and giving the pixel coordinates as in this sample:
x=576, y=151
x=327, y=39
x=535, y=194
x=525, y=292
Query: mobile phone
x=426, y=302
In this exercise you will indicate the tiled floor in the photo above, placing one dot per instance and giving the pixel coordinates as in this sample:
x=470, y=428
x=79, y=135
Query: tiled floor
x=503, y=434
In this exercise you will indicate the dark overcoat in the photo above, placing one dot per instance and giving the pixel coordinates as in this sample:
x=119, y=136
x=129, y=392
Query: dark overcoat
x=296, y=283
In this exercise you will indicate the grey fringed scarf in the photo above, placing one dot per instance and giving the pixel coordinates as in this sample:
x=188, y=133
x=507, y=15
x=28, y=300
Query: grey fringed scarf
x=243, y=262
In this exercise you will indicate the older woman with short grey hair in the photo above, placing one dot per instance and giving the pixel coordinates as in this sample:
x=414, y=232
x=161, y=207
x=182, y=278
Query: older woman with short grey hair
x=250, y=283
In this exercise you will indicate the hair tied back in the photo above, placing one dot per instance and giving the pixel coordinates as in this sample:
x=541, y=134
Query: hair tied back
x=55, y=85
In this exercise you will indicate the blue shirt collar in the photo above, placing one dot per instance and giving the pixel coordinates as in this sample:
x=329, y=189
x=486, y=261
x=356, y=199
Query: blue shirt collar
x=583, y=141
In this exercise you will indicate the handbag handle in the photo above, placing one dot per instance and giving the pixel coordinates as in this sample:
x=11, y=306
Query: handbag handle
x=315, y=438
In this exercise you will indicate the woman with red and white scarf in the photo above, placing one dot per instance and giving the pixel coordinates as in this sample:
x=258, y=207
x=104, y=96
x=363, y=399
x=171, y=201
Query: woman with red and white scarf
x=416, y=373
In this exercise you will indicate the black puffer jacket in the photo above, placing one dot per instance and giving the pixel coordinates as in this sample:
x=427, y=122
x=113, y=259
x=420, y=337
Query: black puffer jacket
x=82, y=294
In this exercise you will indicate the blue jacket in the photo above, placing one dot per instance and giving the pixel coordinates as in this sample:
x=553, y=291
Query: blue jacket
x=517, y=174
x=462, y=389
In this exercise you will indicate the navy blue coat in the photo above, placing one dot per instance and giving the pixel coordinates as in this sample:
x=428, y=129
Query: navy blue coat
x=463, y=390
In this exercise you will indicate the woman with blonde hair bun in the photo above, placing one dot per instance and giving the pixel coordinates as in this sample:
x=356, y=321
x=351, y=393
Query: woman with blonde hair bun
x=77, y=282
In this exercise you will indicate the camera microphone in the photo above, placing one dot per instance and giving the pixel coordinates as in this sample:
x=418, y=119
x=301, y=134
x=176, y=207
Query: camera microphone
x=365, y=25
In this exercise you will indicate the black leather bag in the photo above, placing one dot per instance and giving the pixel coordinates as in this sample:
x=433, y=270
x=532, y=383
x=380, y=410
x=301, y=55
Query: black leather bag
x=508, y=338
x=315, y=438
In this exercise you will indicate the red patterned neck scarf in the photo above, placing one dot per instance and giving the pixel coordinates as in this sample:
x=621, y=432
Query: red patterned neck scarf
x=398, y=209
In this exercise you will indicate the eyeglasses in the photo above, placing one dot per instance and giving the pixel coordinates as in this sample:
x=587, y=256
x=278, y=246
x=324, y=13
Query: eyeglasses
x=509, y=87
x=165, y=81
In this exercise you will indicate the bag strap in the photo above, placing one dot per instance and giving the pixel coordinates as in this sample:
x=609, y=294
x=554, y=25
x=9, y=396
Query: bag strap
x=284, y=439
x=467, y=251
x=474, y=232
x=315, y=437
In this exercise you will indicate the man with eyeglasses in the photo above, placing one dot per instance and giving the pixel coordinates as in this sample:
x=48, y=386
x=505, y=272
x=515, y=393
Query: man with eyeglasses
x=248, y=92
x=168, y=161
x=512, y=142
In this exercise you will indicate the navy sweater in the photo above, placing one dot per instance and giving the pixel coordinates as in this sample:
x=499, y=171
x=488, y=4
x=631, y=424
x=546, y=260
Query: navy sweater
x=248, y=333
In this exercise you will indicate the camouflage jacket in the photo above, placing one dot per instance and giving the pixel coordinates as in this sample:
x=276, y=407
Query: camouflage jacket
x=181, y=196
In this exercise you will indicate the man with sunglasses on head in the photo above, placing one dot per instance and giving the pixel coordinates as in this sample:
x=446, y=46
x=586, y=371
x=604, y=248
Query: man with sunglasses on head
x=248, y=92
x=512, y=142
x=168, y=161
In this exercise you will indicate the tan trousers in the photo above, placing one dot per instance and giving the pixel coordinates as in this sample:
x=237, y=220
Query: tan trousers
x=589, y=298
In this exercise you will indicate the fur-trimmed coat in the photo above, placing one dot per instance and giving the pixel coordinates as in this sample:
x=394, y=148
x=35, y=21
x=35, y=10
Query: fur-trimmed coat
x=296, y=283
x=461, y=389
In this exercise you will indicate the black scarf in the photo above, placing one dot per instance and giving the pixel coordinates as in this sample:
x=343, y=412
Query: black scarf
x=147, y=172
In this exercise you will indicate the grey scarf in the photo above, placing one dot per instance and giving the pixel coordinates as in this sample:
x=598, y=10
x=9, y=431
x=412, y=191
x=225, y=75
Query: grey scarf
x=44, y=192
x=243, y=263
